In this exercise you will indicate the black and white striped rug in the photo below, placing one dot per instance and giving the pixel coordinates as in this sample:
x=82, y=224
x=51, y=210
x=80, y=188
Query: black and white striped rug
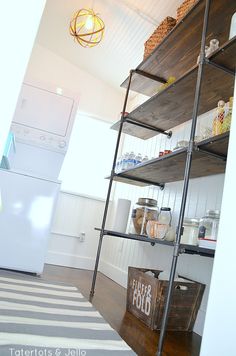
x=41, y=318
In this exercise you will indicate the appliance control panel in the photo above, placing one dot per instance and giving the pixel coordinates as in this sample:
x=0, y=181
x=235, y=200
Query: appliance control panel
x=39, y=138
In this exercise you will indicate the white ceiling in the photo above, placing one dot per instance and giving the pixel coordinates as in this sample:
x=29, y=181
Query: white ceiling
x=128, y=25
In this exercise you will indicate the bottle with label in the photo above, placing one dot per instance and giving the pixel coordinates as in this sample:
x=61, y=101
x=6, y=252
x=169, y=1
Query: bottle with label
x=227, y=119
x=118, y=164
x=138, y=158
x=131, y=160
x=124, y=162
x=219, y=118
x=145, y=159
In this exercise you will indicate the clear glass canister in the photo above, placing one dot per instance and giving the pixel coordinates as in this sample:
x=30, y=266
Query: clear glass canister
x=190, y=234
x=165, y=216
x=159, y=229
x=208, y=225
x=145, y=209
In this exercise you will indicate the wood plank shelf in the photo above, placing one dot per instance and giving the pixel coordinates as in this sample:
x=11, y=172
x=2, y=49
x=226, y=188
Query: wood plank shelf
x=164, y=111
x=188, y=249
x=179, y=50
x=217, y=145
x=209, y=157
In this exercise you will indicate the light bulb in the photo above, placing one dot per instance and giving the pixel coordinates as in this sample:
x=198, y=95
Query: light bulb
x=59, y=91
x=89, y=23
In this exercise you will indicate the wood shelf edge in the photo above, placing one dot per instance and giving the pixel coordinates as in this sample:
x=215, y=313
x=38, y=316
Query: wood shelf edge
x=188, y=249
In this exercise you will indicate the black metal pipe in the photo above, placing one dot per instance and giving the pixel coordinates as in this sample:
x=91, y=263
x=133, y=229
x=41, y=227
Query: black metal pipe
x=219, y=66
x=186, y=181
x=150, y=76
x=110, y=187
x=148, y=127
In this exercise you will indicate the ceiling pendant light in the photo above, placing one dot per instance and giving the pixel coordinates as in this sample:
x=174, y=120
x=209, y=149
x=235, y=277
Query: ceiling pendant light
x=87, y=28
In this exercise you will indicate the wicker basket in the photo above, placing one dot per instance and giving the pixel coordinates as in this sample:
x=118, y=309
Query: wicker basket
x=161, y=31
x=184, y=8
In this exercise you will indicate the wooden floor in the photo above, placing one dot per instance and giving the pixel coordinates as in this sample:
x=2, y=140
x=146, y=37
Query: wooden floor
x=110, y=301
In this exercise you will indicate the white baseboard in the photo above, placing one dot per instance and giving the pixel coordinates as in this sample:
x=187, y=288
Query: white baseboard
x=69, y=260
x=115, y=273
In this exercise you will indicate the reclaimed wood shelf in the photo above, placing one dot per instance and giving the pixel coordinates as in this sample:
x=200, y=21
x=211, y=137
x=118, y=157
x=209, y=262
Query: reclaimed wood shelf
x=209, y=157
x=164, y=110
x=215, y=145
x=188, y=249
x=179, y=50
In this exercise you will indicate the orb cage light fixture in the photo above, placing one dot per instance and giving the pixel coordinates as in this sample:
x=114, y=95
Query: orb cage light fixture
x=87, y=28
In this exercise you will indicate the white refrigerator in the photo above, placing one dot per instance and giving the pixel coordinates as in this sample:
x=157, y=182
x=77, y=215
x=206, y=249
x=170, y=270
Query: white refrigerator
x=26, y=208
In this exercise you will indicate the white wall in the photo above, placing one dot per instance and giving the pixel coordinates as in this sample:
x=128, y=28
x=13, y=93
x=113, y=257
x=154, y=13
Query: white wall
x=16, y=44
x=219, y=330
x=74, y=214
x=95, y=96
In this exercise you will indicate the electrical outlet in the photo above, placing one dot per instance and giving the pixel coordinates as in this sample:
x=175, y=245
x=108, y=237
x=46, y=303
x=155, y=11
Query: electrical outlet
x=82, y=237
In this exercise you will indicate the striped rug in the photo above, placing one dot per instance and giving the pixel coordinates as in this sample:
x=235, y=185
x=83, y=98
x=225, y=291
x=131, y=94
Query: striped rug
x=41, y=318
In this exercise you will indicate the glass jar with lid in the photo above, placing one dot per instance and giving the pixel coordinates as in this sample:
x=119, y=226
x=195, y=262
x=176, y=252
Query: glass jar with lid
x=158, y=229
x=165, y=216
x=190, y=233
x=208, y=225
x=145, y=209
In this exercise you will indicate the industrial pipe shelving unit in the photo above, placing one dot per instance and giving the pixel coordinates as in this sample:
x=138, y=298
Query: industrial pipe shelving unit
x=151, y=118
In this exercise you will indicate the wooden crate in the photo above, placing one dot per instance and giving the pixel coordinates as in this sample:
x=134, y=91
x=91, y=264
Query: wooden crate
x=146, y=298
x=158, y=35
x=184, y=8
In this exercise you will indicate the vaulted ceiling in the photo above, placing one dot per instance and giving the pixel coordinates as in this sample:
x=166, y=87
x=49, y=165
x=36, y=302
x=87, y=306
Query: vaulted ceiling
x=128, y=25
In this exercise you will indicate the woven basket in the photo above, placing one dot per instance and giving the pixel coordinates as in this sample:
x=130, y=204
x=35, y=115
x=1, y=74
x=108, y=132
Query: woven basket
x=161, y=31
x=184, y=8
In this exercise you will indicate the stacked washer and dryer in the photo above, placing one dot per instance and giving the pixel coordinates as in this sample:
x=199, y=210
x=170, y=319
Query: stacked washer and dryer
x=29, y=184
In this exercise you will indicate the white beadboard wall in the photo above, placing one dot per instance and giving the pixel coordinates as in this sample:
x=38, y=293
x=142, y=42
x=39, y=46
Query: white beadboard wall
x=204, y=193
x=75, y=214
